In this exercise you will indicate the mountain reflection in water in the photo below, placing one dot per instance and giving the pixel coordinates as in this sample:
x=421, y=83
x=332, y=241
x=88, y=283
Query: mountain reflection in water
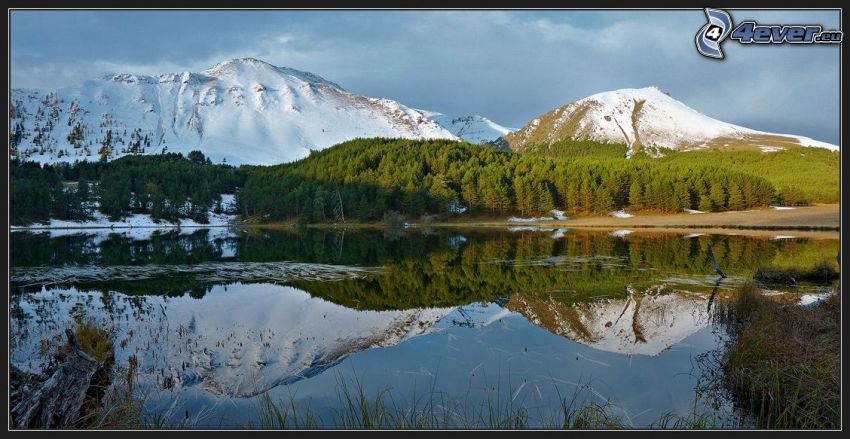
x=237, y=314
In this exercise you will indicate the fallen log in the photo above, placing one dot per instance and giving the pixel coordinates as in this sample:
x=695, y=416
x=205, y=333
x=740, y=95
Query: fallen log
x=56, y=402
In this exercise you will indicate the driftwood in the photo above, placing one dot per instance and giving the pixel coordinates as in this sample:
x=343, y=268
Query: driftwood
x=55, y=402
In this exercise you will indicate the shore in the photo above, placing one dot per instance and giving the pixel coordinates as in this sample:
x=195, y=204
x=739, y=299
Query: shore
x=819, y=216
x=817, y=221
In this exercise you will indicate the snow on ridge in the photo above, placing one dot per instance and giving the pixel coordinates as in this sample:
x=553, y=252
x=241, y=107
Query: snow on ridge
x=474, y=129
x=239, y=111
x=650, y=118
x=662, y=120
x=253, y=66
x=807, y=141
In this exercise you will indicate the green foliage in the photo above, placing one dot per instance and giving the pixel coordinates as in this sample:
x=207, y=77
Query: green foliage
x=579, y=148
x=801, y=175
x=167, y=186
x=423, y=269
x=364, y=178
x=373, y=176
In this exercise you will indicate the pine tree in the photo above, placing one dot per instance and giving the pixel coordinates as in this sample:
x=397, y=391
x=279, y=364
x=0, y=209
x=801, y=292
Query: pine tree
x=603, y=202
x=705, y=203
x=636, y=195
x=736, y=198
x=717, y=196
x=681, y=197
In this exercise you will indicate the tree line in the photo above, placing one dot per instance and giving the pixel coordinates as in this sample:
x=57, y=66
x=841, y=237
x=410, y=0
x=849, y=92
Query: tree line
x=165, y=186
x=364, y=179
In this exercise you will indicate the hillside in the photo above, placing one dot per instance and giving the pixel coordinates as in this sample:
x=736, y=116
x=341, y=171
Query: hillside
x=647, y=119
x=474, y=129
x=240, y=111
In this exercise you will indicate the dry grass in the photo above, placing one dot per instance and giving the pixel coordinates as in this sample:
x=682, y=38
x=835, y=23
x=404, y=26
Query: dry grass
x=783, y=361
x=93, y=340
x=822, y=272
x=818, y=216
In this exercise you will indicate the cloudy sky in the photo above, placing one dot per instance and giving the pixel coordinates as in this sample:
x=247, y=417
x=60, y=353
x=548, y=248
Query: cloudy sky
x=508, y=66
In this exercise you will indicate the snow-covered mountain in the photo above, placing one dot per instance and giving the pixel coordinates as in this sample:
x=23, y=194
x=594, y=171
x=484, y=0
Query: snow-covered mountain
x=474, y=129
x=647, y=118
x=242, y=110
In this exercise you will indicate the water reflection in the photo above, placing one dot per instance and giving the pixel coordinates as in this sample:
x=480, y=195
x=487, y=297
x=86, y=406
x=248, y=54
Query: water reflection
x=645, y=322
x=231, y=315
x=238, y=340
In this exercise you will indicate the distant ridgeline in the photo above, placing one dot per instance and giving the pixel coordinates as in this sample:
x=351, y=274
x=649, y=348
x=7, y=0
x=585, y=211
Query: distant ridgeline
x=363, y=179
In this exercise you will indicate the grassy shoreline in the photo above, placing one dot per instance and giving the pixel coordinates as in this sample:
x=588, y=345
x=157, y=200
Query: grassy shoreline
x=782, y=364
x=821, y=217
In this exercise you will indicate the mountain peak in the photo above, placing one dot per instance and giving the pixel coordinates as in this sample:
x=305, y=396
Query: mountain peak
x=249, y=66
x=647, y=119
x=652, y=92
x=240, y=62
x=244, y=110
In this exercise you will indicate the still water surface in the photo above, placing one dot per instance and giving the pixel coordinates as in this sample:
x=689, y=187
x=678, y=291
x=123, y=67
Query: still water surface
x=218, y=318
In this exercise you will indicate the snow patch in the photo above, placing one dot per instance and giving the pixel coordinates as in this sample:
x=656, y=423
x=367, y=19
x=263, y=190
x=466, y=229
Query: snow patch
x=782, y=207
x=455, y=206
x=813, y=298
x=474, y=129
x=692, y=211
x=137, y=226
x=621, y=233
x=559, y=215
x=780, y=237
x=531, y=229
x=556, y=215
x=620, y=214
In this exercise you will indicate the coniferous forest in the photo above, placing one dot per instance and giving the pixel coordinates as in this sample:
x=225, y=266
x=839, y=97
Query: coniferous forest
x=364, y=179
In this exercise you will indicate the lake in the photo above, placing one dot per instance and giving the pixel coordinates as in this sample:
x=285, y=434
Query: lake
x=467, y=324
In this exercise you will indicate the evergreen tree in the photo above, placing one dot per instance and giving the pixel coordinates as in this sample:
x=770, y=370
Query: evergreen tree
x=717, y=196
x=602, y=200
x=736, y=197
x=636, y=195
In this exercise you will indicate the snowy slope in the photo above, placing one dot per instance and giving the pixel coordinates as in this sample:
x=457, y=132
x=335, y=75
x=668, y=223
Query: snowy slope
x=242, y=110
x=474, y=129
x=647, y=118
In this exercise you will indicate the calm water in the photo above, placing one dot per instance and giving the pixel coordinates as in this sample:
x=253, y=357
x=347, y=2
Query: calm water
x=507, y=318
